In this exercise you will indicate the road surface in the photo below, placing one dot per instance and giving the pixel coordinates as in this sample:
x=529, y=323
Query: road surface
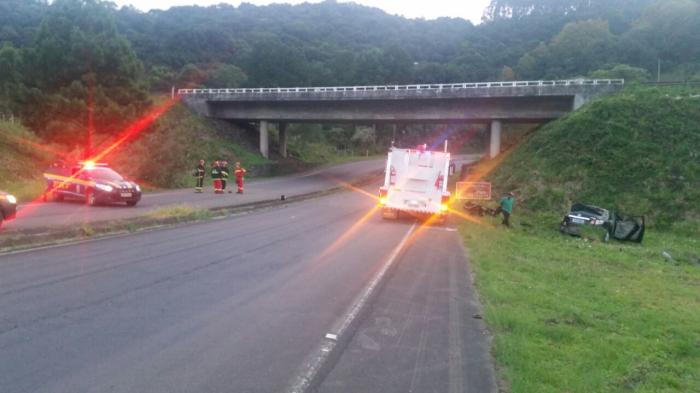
x=234, y=305
x=40, y=215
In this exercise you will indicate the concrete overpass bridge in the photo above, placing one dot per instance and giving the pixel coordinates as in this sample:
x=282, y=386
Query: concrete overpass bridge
x=486, y=102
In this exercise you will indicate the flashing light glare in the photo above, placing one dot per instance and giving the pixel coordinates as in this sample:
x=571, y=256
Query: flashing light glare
x=89, y=165
x=129, y=133
x=382, y=201
x=11, y=199
x=444, y=208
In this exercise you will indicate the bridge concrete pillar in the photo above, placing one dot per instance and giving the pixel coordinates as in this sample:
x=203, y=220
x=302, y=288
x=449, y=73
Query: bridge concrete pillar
x=579, y=101
x=264, y=140
x=495, y=147
x=283, y=139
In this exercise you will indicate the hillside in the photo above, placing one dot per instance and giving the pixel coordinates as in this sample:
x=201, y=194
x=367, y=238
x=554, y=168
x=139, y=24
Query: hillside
x=637, y=151
x=165, y=154
x=22, y=158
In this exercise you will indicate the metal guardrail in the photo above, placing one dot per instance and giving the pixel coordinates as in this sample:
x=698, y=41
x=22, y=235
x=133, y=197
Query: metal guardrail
x=441, y=86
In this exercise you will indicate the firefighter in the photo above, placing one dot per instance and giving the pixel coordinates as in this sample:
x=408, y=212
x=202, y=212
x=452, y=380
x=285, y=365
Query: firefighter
x=199, y=173
x=239, y=172
x=216, y=177
x=224, y=176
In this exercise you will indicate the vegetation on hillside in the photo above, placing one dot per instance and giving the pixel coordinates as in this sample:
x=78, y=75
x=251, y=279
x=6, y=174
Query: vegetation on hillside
x=637, y=151
x=66, y=61
x=21, y=152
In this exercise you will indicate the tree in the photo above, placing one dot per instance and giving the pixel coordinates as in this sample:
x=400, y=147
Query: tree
x=11, y=86
x=578, y=49
x=622, y=71
x=364, y=137
x=79, y=63
x=507, y=74
x=226, y=76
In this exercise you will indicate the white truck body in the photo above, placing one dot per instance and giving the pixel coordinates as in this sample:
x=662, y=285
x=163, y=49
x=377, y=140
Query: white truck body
x=415, y=182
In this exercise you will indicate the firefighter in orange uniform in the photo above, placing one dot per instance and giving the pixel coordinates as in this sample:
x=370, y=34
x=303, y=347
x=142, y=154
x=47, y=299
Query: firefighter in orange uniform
x=239, y=172
x=216, y=177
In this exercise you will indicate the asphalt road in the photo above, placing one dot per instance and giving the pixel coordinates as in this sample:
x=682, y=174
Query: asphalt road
x=230, y=305
x=39, y=215
x=52, y=214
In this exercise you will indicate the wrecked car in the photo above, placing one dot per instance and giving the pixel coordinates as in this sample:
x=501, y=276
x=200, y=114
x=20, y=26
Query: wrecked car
x=613, y=224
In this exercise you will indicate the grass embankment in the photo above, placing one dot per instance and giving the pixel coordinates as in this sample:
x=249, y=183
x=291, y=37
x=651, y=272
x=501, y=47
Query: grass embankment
x=579, y=315
x=22, y=161
x=165, y=155
x=571, y=315
x=637, y=151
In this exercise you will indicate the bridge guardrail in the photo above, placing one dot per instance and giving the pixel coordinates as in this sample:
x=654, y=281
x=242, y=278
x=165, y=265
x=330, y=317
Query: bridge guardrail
x=441, y=86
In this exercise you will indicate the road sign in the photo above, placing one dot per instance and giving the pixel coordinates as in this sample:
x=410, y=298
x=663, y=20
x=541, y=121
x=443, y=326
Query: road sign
x=480, y=190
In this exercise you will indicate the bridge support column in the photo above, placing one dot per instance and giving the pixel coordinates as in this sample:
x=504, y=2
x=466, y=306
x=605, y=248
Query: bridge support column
x=495, y=147
x=579, y=101
x=264, y=140
x=283, y=139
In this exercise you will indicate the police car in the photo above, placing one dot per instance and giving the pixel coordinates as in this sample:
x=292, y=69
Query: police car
x=95, y=183
x=8, y=207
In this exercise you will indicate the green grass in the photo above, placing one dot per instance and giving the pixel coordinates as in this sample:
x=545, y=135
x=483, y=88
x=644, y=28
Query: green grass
x=21, y=164
x=180, y=213
x=574, y=315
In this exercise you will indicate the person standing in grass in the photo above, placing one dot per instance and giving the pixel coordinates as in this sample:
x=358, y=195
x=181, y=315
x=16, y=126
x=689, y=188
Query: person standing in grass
x=506, y=208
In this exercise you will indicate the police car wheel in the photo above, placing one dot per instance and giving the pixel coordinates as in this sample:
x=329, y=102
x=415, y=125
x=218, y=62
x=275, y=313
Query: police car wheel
x=131, y=203
x=90, y=198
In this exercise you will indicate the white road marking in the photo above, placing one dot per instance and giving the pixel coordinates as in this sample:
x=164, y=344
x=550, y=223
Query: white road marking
x=312, y=370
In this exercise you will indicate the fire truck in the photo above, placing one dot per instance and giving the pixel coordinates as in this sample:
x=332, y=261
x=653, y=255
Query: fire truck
x=94, y=183
x=415, y=182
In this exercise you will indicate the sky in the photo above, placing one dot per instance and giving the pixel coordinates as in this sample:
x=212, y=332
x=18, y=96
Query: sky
x=431, y=9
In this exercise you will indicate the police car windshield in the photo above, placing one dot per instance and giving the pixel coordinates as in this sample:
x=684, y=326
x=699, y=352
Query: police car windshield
x=104, y=174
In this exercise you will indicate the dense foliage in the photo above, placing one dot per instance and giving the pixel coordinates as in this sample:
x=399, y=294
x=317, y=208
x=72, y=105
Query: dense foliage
x=61, y=58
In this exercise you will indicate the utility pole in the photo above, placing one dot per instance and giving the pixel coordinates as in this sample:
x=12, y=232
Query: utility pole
x=90, y=119
x=658, y=70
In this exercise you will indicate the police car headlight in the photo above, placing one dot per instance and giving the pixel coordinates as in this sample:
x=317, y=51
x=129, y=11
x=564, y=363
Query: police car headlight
x=104, y=187
x=136, y=186
x=11, y=199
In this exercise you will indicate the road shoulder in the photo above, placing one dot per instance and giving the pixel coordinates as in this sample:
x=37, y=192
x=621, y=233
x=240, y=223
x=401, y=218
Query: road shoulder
x=424, y=333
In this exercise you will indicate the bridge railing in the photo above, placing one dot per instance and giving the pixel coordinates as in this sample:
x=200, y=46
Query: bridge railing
x=440, y=86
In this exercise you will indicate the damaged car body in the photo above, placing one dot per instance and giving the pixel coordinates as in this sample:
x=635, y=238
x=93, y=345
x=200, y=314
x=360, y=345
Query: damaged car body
x=615, y=225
